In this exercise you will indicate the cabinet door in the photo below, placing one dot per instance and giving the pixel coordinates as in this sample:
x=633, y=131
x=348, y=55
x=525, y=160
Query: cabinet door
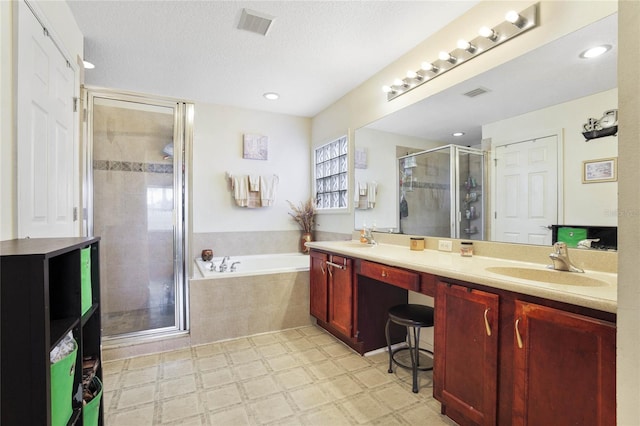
x=565, y=368
x=318, y=278
x=466, y=354
x=341, y=295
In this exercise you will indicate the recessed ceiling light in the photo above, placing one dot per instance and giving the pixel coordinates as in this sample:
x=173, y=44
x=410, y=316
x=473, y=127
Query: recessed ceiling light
x=595, y=51
x=457, y=134
x=88, y=65
x=272, y=96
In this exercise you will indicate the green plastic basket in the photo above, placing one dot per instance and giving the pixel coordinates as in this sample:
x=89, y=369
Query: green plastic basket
x=91, y=411
x=85, y=279
x=62, y=373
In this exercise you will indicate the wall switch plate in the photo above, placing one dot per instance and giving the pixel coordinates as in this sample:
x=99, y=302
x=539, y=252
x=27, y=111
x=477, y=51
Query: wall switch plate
x=445, y=245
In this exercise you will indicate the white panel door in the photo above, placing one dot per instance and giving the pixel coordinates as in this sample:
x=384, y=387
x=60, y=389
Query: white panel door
x=526, y=191
x=47, y=166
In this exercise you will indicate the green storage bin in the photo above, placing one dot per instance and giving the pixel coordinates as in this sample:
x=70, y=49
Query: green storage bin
x=62, y=373
x=91, y=411
x=85, y=279
x=571, y=236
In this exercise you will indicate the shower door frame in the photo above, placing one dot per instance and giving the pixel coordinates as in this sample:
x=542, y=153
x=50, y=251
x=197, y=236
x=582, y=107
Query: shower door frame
x=182, y=142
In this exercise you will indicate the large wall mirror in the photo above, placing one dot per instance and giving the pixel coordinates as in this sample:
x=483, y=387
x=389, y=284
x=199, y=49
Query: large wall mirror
x=532, y=109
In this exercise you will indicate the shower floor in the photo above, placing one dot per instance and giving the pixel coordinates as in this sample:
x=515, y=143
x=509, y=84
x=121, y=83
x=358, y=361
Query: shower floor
x=116, y=323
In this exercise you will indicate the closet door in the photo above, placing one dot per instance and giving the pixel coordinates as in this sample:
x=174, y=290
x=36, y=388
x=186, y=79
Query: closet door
x=47, y=159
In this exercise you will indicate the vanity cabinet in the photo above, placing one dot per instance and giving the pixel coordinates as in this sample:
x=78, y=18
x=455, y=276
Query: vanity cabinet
x=466, y=359
x=318, y=285
x=340, y=294
x=564, y=368
x=331, y=293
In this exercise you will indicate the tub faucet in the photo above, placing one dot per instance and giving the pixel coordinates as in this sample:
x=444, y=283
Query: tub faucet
x=560, y=259
x=223, y=264
x=233, y=266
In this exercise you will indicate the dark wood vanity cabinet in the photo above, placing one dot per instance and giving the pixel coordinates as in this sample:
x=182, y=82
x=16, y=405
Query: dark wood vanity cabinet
x=564, y=368
x=331, y=293
x=466, y=359
x=509, y=359
x=318, y=286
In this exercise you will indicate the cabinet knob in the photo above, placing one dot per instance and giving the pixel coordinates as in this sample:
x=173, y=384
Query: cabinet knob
x=384, y=273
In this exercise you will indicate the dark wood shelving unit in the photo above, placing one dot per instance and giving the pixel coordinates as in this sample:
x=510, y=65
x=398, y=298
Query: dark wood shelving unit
x=40, y=297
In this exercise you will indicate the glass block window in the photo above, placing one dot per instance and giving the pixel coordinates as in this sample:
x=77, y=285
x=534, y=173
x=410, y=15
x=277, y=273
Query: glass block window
x=331, y=167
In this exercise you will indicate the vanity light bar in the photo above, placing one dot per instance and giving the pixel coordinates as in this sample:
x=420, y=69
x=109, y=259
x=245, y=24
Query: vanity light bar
x=514, y=24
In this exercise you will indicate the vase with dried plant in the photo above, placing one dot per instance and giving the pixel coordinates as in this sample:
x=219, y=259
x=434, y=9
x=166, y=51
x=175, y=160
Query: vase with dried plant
x=304, y=215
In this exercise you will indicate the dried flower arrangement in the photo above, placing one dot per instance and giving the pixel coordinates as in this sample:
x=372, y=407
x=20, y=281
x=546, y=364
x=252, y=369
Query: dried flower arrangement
x=304, y=214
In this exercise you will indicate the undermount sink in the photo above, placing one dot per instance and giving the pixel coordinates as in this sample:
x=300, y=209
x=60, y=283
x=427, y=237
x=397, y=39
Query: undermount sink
x=548, y=276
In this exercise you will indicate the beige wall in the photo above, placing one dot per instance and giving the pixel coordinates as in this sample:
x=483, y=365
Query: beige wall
x=628, y=352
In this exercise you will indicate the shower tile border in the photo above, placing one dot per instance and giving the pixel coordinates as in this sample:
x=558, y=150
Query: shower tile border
x=132, y=166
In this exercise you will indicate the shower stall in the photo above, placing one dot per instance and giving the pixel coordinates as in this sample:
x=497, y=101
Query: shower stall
x=441, y=193
x=136, y=204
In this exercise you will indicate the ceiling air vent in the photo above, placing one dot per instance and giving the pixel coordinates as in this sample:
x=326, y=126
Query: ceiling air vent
x=476, y=92
x=255, y=22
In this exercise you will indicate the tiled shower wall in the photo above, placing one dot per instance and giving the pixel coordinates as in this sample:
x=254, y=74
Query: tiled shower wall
x=133, y=196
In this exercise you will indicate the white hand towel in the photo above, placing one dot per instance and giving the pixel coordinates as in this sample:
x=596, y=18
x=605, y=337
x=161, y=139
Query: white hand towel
x=254, y=183
x=372, y=189
x=240, y=192
x=268, y=188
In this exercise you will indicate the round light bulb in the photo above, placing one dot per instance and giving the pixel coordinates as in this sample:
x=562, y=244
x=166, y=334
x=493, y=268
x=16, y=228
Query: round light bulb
x=411, y=74
x=487, y=32
x=463, y=44
x=398, y=82
x=512, y=16
x=444, y=56
x=387, y=89
x=427, y=66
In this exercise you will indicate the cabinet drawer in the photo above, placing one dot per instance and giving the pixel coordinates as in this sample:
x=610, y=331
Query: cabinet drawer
x=391, y=275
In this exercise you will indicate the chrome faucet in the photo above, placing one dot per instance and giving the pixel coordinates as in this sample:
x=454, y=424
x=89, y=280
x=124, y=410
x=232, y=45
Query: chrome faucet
x=223, y=264
x=367, y=235
x=233, y=266
x=560, y=259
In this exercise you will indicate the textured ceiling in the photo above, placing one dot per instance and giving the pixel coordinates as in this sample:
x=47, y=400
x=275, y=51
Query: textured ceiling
x=314, y=53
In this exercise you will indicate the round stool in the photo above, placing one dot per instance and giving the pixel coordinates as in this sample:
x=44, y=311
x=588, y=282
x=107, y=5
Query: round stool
x=413, y=317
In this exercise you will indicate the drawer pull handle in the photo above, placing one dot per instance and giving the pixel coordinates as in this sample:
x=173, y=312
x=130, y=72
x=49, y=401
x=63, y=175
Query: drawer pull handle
x=518, y=337
x=322, y=269
x=384, y=273
x=486, y=322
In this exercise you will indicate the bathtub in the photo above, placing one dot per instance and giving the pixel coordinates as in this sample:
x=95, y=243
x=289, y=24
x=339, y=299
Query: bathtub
x=261, y=264
x=266, y=293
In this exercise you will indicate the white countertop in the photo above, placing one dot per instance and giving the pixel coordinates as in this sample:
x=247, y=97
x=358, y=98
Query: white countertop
x=473, y=269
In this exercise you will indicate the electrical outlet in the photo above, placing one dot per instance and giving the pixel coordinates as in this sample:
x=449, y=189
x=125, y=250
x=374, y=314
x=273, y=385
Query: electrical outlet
x=445, y=245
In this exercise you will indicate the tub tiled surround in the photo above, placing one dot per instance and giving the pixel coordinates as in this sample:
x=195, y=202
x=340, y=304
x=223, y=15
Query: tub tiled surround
x=225, y=308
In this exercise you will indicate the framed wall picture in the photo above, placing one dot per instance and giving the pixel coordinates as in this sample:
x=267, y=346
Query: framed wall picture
x=255, y=147
x=601, y=170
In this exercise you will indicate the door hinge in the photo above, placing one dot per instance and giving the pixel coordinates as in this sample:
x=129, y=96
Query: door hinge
x=75, y=214
x=75, y=104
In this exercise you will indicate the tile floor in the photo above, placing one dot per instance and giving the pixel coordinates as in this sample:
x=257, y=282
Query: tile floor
x=300, y=376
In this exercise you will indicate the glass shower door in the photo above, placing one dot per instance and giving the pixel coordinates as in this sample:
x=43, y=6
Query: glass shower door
x=137, y=206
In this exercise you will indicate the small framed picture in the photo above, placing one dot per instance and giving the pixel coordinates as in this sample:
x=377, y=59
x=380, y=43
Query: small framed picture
x=602, y=170
x=255, y=147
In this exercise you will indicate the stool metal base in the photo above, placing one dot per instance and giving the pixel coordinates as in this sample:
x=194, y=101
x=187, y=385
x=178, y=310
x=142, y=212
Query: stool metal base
x=414, y=351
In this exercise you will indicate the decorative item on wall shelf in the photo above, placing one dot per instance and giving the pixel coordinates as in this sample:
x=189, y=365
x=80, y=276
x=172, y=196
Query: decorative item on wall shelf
x=255, y=147
x=607, y=125
x=304, y=215
x=602, y=170
x=360, y=158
